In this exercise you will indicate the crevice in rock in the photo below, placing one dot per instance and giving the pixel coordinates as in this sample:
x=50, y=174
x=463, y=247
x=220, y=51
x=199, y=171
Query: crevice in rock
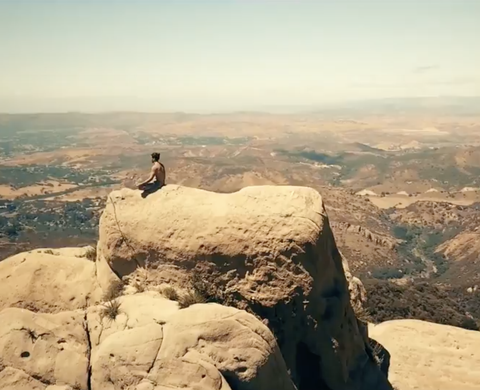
x=99, y=339
x=156, y=355
x=89, y=352
x=46, y=382
x=123, y=237
x=308, y=376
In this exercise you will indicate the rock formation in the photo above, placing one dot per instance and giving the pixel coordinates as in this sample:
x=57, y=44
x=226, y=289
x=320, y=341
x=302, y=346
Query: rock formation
x=430, y=356
x=378, y=239
x=266, y=252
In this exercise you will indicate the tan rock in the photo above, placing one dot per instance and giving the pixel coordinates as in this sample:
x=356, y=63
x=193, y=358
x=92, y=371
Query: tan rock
x=64, y=252
x=105, y=275
x=240, y=346
x=47, y=282
x=50, y=348
x=266, y=249
x=123, y=359
x=150, y=339
x=137, y=310
x=129, y=360
x=186, y=375
x=358, y=293
x=59, y=388
x=13, y=379
x=429, y=356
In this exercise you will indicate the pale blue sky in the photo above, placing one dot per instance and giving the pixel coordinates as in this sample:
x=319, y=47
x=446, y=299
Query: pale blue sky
x=232, y=54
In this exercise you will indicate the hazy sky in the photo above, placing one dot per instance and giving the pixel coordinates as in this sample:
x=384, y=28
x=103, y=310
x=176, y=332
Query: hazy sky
x=232, y=54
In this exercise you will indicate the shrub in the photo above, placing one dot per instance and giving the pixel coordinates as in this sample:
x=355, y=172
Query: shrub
x=91, y=253
x=209, y=291
x=421, y=301
x=190, y=298
x=170, y=293
x=363, y=314
x=111, y=310
x=469, y=324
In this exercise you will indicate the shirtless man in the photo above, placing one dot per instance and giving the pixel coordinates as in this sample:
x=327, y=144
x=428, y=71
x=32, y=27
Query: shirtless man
x=157, y=173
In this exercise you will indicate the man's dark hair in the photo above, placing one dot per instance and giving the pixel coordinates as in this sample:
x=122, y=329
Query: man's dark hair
x=156, y=156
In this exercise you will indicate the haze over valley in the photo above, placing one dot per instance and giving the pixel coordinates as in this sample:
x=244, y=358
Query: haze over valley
x=402, y=190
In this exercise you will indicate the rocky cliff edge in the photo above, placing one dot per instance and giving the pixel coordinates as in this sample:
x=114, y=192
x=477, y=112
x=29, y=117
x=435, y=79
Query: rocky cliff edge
x=189, y=289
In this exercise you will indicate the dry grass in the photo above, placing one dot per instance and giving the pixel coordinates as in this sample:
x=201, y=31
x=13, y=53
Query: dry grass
x=91, y=253
x=201, y=291
x=110, y=310
x=49, y=252
x=363, y=314
x=140, y=287
x=170, y=293
x=209, y=291
x=114, y=290
x=377, y=352
x=199, y=285
x=190, y=298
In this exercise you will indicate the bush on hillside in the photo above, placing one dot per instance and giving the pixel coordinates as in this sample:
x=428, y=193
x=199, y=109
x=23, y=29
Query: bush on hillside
x=421, y=301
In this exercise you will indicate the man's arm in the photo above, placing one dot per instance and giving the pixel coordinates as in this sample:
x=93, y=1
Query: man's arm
x=152, y=175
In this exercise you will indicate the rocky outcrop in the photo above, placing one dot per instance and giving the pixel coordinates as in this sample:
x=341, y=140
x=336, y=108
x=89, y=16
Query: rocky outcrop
x=357, y=291
x=464, y=246
x=151, y=341
x=377, y=239
x=39, y=350
x=268, y=250
x=49, y=281
x=150, y=344
x=430, y=356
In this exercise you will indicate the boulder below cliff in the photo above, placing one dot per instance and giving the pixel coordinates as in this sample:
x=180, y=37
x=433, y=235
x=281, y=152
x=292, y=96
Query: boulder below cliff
x=430, y=356
x=49, y=281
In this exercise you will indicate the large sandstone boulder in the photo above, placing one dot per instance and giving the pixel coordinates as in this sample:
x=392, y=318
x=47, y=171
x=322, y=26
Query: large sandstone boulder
x=239, y=345
x=38, y=350
x=268, y=250
x=135, y=311
x=149, y=345
x=48, y=281
x=430, y=356
x=209, y=343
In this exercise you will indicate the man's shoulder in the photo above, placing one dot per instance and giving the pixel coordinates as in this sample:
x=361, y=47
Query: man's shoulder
x=157, y=166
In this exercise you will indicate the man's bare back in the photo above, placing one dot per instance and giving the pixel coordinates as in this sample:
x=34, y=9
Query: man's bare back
x=157, y=172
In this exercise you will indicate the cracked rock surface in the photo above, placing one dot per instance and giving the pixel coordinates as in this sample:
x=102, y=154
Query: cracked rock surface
x=151, y=344
x=43, y=349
